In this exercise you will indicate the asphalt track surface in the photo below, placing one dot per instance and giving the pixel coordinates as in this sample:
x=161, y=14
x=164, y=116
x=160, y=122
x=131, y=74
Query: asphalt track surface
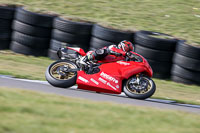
x=43, y=86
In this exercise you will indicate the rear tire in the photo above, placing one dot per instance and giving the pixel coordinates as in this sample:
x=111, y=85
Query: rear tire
x=131, y=91
x=58, y=80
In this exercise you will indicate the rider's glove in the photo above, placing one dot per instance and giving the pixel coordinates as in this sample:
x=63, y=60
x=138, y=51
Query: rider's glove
x=131, y=56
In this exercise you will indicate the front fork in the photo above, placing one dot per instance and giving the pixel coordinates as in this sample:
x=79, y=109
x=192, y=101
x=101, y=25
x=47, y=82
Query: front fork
x=138, y=78
x=137, y=81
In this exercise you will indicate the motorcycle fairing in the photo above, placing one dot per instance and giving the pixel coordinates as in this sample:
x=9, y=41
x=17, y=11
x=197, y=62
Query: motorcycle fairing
x=111, y=75
x=97, y=82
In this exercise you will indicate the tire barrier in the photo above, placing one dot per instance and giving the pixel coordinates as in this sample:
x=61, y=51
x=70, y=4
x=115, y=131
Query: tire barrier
x=6, y=17
x=69, y=33
x=30, y=41
x=152, y=54
x=39, y=34
x=182, y=80
x=96, y=43
x=31, y=32
x=187, y=74
x=102, y=36
x=52, y=54
x=186, y=64
x=161, y=69
x=158, y=49
x=155, y=40
x=23, y=49
x=36, y=19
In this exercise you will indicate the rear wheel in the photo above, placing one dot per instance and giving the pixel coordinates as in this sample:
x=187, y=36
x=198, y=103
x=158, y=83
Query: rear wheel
x=57, y=74
x=141, y=87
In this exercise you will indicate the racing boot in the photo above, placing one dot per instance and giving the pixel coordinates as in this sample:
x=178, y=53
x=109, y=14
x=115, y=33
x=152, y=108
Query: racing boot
x=84, y=60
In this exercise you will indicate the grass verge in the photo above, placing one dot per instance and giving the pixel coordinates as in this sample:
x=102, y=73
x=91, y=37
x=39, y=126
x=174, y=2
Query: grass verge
x=30, y=67
x=30, y=112
x=21, y=66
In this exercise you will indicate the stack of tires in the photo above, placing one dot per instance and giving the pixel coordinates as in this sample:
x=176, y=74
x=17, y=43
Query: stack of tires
x=31, y=32
x=102, y=36
x=69, y=33
x=186, y=67
x=158, y=49
x=6, y=17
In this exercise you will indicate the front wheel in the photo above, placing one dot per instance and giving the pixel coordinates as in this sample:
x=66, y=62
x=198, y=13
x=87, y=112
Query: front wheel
x=141, y=87
x=57, y=74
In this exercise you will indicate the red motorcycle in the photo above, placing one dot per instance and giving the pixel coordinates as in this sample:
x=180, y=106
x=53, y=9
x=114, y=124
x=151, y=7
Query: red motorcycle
x=131, y=74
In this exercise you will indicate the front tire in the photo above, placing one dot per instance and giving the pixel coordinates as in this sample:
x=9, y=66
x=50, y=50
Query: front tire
x=56, y=76
x=141, y=89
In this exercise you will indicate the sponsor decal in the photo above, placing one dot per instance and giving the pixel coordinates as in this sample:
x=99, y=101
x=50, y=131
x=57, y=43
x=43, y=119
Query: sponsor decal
x=102, y=80
x=107, y=83
x=94, y=81
x=83, y=79
x=106, y=76
x=123, y=63
x=111, y=86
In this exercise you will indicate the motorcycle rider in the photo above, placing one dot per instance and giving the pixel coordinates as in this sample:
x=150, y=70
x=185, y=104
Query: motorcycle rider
x=123, y=49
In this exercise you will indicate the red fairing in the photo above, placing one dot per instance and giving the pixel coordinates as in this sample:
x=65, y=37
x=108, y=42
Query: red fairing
x=148, y=68
x=111, y=75
x=79, y=50
x=100, y=82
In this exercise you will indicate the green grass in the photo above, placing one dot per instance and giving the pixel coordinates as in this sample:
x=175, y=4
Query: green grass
x=30, y=112
x=176, y=91
x=30, y=67
x=22, y=66
x=176, y=17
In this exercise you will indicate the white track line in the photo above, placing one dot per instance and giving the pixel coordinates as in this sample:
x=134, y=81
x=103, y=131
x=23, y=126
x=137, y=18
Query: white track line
x=75, y=87
x=122, y=94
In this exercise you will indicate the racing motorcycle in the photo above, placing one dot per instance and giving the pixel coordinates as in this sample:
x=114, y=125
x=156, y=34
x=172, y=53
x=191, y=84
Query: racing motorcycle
x=131, y=74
